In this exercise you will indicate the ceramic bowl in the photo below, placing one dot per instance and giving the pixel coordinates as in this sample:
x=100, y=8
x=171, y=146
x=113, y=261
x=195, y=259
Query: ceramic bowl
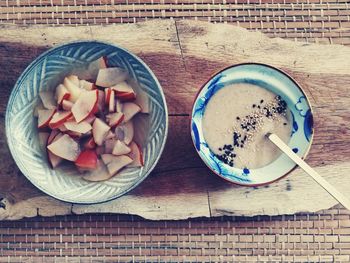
x=45, y=73
x=279, y=83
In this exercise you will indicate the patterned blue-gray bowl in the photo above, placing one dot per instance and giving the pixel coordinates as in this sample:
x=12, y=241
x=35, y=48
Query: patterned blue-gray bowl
x=279, y=83
x=44, y=73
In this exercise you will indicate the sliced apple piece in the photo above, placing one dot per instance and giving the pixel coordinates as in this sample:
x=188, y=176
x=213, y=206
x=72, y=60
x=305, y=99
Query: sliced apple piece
x=115, y=119
x=74, y=79
x=59, y=118
x=101, y=100
x=108, y=93
x=87, y=85
x=44, y=117
x=109, y=145
x=110, y=135
x=85, y=105
x=126, y=96
x=94, y=67
x=125, y=132
x=52, y=136
x=122, y=88
x=62, y=128
x=142, y=100
x=54, y=159
x=90, y=143
x=65, y=147
x=99, y=174
x=111, y=103
x=107, y=158
x=135, y=155
x=130, y=110
x=62, y=93
x=47, y=99
x=81, y=127
x=67, y=105
x=108, y=77
x=74, y=134
x=118, y=163
x=90, y=119
x=120, y=148
x=87, y=159
x=99, y=130
x=72, y=88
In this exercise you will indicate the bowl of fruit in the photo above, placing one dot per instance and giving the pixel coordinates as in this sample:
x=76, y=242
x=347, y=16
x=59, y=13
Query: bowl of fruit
x=86, y=122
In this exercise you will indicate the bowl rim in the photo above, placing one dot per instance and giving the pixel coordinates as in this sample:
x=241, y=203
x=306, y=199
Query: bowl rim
x=296, y=84
x=16, y=87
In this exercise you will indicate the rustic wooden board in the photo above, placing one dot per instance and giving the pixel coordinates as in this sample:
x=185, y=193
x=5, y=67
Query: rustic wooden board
x=183, y=55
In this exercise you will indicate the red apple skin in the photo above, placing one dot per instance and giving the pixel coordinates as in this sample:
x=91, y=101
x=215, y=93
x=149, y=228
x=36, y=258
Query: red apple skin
x=87, y=159
x=46, y=124
x=108, y=95
x=57, y=124
x=118, y=122
x=126, y=96
x=141, y=156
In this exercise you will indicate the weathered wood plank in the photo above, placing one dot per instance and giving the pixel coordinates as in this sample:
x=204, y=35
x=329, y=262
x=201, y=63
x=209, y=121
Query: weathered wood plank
x=183, y=56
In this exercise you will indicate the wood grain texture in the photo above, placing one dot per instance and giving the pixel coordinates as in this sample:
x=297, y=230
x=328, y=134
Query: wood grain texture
x=183, y=55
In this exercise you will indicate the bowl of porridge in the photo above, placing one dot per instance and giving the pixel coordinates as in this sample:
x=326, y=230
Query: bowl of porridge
x=234, y=111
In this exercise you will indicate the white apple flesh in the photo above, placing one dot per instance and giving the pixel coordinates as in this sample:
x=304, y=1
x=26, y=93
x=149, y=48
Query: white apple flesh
x=73, y=89
x=59, y=118
x=85, y=105
x=61, y=94
x=118, y=163
x=115, y=119
x=99, y=130
x=130, y=110
x=44, y=117
x=47, y=99
x=65, y=147
x=99, y=174
x=109, y=77
x=135, y=155
x=67, y=105
x=81, y=127
x=120, y=148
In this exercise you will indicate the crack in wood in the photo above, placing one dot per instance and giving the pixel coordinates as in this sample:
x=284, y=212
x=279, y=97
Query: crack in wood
x=180, y=46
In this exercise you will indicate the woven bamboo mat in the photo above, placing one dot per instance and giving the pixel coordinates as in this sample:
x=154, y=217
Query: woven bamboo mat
x=321, y=237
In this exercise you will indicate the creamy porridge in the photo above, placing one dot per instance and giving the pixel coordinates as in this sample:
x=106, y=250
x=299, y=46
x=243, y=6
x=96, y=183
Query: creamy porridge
x=236, y=120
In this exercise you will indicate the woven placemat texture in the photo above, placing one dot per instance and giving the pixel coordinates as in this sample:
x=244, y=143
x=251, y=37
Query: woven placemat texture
x=321, y=237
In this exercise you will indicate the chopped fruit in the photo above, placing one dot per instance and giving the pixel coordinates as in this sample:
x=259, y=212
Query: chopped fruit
x=108, y=93
x=65, y=147
x=99, y=174
x=99, y=130
x=47, y=99
x=43, y=136
x=67, y=105
x=101, y=100
x=84, y=105
x=107, y=158
x=82, y=127
x=59, y=118
x=86, y=122
x=118, y=106
x=120, y=148
x=62, y=128
x=125, y=132
x=87, y=85
x=118, y=163
x=143, y=101
x=95, y=66
x=74, y=79
x=90, y=143
x=109, y=77
x=73, y=89
x=38, y=107
x=44, y=117
x=135, y=155
x=54, y=159
x=115, y=119
x=61, y=94
x=87, y=159
x=52, y=136
x=130, y=110
x=109, y=145
x=123, y=88
x=110, y=135
x=111, y=103
x=90, y=119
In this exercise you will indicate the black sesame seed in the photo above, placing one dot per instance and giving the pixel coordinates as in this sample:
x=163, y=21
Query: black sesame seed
x=241, y=145
x=238, y=118
x=220, y=149
x=285, y=123
x=261, y=101
x=234, y=155
x=258, y=107
x=254, y=105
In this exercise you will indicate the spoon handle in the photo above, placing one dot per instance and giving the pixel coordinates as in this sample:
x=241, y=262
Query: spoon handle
x=303, y=165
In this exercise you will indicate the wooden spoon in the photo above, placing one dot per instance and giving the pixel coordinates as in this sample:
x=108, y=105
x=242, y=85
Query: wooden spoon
x=303, y=165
